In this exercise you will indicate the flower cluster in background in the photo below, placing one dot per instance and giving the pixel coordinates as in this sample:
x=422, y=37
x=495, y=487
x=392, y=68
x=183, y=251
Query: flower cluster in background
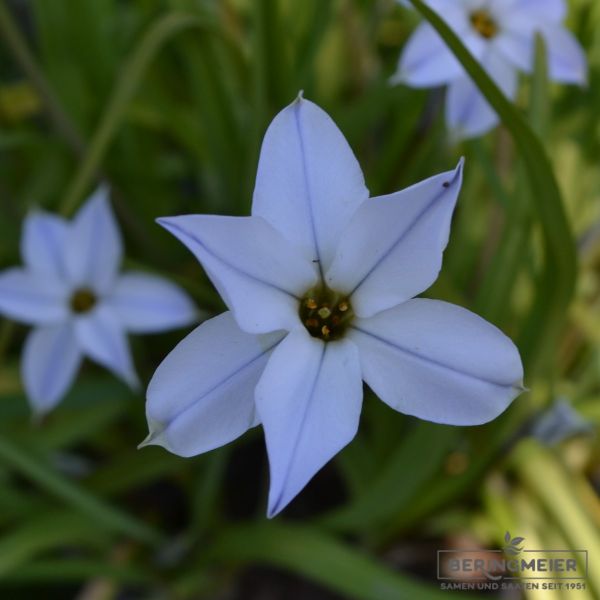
x=501, y=35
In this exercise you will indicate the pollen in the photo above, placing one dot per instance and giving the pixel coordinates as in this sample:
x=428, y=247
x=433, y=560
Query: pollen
x=83, y=300
x=325, y=314
x=484, y=24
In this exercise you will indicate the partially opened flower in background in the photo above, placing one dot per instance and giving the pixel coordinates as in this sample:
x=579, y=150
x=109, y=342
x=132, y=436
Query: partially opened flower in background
x=501, y=36
x=319, y=282
x=71, y=291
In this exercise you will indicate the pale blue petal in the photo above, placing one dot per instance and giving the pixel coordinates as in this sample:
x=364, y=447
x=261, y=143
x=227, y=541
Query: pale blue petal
x=94, y=250
x=468, y=113
x=257, y=272
x=438, y=362
x=146, y=303
x=202, y=395
x=426, y=61
x=51, y=359
x=309, y=182
x=567, y=62
x=517, y=46
x=392, y=249
x=43, y=244
x=103, y=339
x=534, y=10
x=309, y=401
x=31, y=298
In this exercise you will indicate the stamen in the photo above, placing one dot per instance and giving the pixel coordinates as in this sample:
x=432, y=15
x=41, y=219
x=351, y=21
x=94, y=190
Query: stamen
x=325, y=314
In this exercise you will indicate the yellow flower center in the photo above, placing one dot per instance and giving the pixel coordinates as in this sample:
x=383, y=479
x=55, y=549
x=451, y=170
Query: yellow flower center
x=83, y=300
x=325, y=313
x=484, y=24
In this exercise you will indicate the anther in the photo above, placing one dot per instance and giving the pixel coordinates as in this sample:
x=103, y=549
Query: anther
x=325, y=314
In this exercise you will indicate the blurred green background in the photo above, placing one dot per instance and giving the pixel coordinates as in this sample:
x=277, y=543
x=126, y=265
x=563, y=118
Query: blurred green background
x=168, y=101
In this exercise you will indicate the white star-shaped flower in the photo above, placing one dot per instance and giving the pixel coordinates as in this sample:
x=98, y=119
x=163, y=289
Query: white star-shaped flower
x=319, y=282
x=71, y=291
x=501, y=36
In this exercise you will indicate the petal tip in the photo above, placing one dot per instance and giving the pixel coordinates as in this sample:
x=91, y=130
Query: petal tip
x=134, y=383
x=400, y=77
x=168, y=223
x=456, y=175
x=278, y=500
x=130, y=377
x=163, y=221
x=275, y=508
x=100, y=196
x=154, y=438
x=520, y=388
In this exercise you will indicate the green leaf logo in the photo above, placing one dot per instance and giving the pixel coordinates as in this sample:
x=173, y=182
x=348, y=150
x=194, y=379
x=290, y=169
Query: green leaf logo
x=512, y=544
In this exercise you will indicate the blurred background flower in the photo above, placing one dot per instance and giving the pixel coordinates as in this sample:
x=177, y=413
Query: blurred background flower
x=71, y=290
x=501, y=34
x=168, y=100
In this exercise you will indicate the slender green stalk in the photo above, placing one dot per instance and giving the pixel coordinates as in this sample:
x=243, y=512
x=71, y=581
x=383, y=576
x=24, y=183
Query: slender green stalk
x=561, y=257
x=13, y=456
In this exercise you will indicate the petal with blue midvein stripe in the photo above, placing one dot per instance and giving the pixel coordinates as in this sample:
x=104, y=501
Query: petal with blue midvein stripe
x=259, y=274
x=392, y=249
x=309, y=401
x=438, y=362
x=202, y=395
x=309, y=182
